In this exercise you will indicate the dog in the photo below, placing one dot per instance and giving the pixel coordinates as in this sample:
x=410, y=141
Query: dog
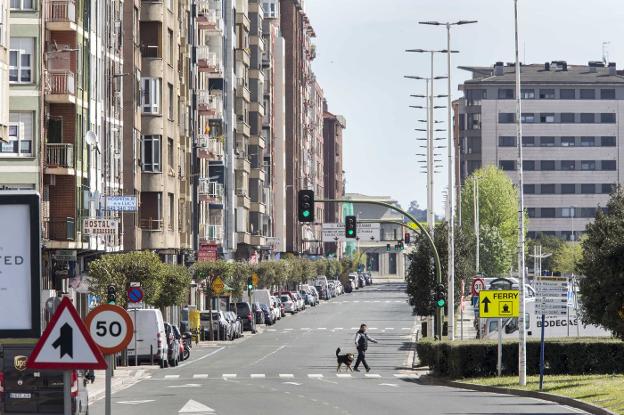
x=344, y=359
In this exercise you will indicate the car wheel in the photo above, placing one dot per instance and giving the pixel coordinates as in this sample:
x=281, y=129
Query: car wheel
x=186, y=354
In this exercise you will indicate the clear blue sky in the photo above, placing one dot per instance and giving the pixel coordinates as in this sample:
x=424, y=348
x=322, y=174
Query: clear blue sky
x=361, y=62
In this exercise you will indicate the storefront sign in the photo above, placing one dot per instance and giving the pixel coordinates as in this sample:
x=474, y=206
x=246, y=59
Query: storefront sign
x=121, y=203
x=207, y=253
x=100, y=226
x=65, y=255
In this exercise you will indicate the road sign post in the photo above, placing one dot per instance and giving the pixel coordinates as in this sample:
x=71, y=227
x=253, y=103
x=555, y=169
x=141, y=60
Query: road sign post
x=499, y=304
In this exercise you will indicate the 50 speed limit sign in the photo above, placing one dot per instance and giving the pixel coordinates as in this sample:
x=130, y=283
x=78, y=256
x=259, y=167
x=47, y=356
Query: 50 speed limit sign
x=110, y=327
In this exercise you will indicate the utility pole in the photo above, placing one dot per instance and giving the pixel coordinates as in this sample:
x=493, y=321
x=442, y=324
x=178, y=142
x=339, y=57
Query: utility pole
x=430, y=214
x=475, y=209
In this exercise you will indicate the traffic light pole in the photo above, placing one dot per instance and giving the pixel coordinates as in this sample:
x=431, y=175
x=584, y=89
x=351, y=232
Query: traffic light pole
x=438, y=267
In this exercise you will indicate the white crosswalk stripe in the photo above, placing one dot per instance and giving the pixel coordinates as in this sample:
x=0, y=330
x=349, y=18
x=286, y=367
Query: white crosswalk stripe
x=229, y=375
x=286, y=375
x=343, y=375
x=315, y=375
x=257, y=376
x=200, y=376
x=172, y=376
x=372, y=375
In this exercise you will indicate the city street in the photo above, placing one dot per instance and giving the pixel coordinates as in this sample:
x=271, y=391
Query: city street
x=291, y=368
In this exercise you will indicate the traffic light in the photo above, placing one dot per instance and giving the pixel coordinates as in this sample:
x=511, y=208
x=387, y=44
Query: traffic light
x=111, y=295
x=305, y=205
x=387, y=247
x=440, y=296
x=249, y=284
x=351, y=227
x=407, y=237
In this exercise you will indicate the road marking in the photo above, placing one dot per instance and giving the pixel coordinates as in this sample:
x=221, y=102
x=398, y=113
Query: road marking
x=200, y=376
x=315, y=375
x=267, y=355
x=376, y=301
x=372, y=375
x=373, y=328
x=257, y=376
x=172, y=376
x=292, y=383
x=405, y=328
x=203, y=357
x=229, y=375
x=271, y=330
x=356, y=301
x=387, y=301
x=286, y=375
x=135, y=402
x=354, y=328
x=389, y=328
x=338, y=328
x=306, y=328
x=405, y=376
x=194, y=407
x=343, y=375
x=287, y=329
x=322, y=328
x=394, y=385
x=188, y=385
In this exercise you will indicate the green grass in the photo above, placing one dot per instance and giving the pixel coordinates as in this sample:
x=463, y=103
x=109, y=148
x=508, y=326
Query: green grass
x=600, y=390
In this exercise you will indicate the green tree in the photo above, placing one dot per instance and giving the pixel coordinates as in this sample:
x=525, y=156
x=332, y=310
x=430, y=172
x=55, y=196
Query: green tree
x=208, y=270
x=176, y=285
x=495, y=256
x=602, y=264
x=565, y=260
x=416, y=212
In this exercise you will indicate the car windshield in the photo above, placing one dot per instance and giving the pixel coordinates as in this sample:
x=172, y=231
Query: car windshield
x=284, y=298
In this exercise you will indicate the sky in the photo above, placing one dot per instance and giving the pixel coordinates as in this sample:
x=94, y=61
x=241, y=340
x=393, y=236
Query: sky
x=361, y=62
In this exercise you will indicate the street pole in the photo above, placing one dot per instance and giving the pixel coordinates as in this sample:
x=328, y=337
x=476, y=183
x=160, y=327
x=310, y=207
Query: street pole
x=430, y=118
x=475, y=209
x=451, y=218
x=67, y=406
x=108, y=384
x=521, y=277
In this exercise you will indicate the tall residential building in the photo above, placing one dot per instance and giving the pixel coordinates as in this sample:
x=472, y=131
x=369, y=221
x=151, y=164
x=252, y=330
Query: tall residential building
x=4, y=71
x=333, y=126
x=572, y=120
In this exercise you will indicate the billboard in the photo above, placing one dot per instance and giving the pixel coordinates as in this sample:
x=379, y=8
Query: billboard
x=20, y=264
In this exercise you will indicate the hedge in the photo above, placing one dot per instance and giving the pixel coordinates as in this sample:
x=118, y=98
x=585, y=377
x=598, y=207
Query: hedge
x=573, y=356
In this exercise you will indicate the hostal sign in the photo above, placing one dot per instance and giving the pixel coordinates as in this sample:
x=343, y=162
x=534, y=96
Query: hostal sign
x=100, y=226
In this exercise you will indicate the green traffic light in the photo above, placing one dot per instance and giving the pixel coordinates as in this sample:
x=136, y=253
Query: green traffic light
x=306, y=213
x=350, y=231
x=441, y=303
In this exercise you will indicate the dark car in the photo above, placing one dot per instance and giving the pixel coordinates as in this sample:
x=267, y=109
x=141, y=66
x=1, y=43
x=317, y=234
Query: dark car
x=244, y=311
x=259, y=315
x=27, y=391
x=268, y=316
x=173, y=344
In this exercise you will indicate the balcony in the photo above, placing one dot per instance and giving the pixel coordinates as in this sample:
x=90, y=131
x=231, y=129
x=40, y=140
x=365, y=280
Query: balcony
x=242, y=164
x=258, y=173
x=151, y=52
x=151, y=224
x=212, y=233
x=210, y=148
x=242, y=90
x=257, y=140
x=209, y=62
x=257, y=107
x=243, y=128
x=59, y=159
x=59, y=229
x=242, y=198
x=210, y=191
x=243, y=55
x=210, y=105
x=60, y=87
x=258, y=207
x=208, y=18
x=61, y=15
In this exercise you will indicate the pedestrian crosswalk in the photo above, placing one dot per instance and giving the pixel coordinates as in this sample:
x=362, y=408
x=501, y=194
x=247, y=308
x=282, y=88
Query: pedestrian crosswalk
x=337, y=329
x=341, y=375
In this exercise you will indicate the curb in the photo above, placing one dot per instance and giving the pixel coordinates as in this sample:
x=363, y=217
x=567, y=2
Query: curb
x=562, y=400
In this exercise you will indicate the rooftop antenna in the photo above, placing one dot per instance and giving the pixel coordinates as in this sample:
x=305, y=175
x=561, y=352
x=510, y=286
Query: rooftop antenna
x=605, y=52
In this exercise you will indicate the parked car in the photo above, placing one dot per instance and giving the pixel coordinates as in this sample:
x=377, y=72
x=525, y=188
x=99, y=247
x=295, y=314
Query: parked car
x=24, y=390
x=244, y=311
x=268, y=315
x=258, y=314
x=353, y=278
x=339, y=287
x=315, y=293
x=361, y=281
x=276, y=308
x=150, y=337
x=308, y=297
x=173, y=344
x=300, y=301
x=293, y=297
x=322, y=291
x=289, y=304
x=221, y=329
x=235, y=323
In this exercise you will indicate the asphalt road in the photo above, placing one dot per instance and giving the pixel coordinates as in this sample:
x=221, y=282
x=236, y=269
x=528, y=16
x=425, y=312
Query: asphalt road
x=291, y=369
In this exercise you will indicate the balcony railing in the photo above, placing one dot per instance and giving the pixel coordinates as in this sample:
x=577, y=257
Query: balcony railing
x=207, y=60
x=210, y=105
x=61, y=11
x=150, y=51
x=59, y=229
x=210, y=191
x=209, y=18
x=151, y=224
x=210, y=147
x=61, y=83
x=60, y=155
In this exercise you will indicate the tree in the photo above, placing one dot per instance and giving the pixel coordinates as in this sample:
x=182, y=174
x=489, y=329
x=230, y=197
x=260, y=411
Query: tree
x=495, y=256
x=565, y=260
x=416, y=212
x=176, y=285
x=208, y=270
x=602, y=264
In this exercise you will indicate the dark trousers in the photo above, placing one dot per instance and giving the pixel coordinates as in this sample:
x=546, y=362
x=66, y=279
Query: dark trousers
x=361, y=358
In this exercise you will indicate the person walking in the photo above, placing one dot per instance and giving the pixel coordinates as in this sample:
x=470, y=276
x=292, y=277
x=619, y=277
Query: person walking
x=361, y=343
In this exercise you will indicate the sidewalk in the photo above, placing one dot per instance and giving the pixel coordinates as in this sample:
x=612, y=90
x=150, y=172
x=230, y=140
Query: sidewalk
x=123, y=378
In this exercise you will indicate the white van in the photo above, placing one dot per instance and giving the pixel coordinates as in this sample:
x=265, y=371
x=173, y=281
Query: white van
x=151, y=341
x=261, y=296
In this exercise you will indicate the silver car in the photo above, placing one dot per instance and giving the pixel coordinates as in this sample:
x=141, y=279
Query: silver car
x=289, y=305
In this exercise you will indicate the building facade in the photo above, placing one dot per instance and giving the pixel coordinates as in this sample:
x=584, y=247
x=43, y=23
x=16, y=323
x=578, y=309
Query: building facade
x=333, y=126
x=572, y=127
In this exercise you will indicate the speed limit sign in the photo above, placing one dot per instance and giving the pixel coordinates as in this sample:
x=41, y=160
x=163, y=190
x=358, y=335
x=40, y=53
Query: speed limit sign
x=110, y=327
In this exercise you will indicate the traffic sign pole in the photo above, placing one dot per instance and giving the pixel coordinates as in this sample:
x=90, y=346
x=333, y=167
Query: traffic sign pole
x=499, y=363
x=541, y=382
x=67, y=406
x=108, y=385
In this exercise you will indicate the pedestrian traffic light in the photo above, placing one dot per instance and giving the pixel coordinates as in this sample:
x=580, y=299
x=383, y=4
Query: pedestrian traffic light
x=305, y=205
x=351, y=227
x=111, y=295
x=249, y=283
x=387, y=247
x=440, y=296
x=407, y=237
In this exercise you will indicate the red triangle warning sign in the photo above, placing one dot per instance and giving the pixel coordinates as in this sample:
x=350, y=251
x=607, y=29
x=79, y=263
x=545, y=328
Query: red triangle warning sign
x=66, y=344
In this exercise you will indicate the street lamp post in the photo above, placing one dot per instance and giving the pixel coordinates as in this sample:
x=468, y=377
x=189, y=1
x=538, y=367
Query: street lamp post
x=451, y=219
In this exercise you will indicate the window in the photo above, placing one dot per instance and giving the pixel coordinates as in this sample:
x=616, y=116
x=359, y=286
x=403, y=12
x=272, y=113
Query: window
x=547, y=189
x=171, y=99
x=567, y=142
x=528, y=141
x=528, y=94
x=607, y=94
x=392, y=263
x=567, y=212
x=3, y=31
x=20, y=144
x=547, y=212
x=170, y=152
x=568, y=189
x=151, y=153
x=567, y=94
x=547, y=141
x=588, y=188
x=547, y=118
x=22, y=5
x=527, y=118
x=588, y=141
x=607, y=118
x=607, y=188
x=588, y=94
x=608, y=165
x=529, y=189
x=531, y=212
x=588, y=165
x=150, y=98
x=587, y=212
x=548, y=165
x=568, y=165
x=507, y=165
x=474, y=121
x=505, y=93
x=474, y=96
x=171, y=210
x=21, y=54
x=528, y=165
x=506, y=141
x=171, y=46
x=373, y=261
x=607, y=141
x=547, y=94
x=567, y=117
x=506, y=118
x=170, y=4
x=587, y=117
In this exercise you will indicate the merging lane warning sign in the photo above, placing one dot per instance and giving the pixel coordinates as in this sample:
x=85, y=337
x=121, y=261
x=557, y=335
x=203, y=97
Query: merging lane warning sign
x=499, y=303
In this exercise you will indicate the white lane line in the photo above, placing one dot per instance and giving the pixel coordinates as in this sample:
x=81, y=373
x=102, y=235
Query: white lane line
x=257, y=376
x=287, y=329
x=200, y=376
x=405, y=328
x=389, y=328
x=203, y=357
x=267, y=355
x=321, y=328
x=315, y=375
x=398, y=301
x=338, y=328
x=354, y=328
x=373, y=328
x=172, y=376
x=356, y=301
x=286, y=375
x=343, y=375
x=387, y=301
x=394, y=385
x=405, y=376
x=229, y=375
x=305, y=328
x=372, y=375
x=271, y=330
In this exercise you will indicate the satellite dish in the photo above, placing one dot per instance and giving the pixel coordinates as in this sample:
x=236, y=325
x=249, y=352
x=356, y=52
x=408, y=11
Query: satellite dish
x=91, y=138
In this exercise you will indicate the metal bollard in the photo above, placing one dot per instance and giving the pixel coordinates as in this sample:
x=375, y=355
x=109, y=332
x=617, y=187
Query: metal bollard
x=152, y=354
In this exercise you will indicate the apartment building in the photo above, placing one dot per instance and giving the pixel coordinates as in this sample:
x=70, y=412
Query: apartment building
x=572, y=126
x=4, y=71
x=333, y=126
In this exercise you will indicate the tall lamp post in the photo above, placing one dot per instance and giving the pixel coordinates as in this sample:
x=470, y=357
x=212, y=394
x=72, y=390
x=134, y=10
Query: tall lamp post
x=451, y=233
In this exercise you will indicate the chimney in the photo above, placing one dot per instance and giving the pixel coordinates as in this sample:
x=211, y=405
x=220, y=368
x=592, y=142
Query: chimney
x=499, y=69
x=612, y=69
x=547, y=66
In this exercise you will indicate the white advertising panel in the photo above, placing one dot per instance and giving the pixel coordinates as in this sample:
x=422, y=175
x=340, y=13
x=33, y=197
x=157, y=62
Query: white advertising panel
x=335, y=232
x=100, y=226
